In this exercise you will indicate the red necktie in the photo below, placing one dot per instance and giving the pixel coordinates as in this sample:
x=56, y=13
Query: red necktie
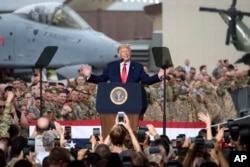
x=124, y=73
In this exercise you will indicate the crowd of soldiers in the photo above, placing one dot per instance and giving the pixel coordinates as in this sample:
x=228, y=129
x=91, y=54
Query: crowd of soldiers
x=193, y=91
x=187, y=93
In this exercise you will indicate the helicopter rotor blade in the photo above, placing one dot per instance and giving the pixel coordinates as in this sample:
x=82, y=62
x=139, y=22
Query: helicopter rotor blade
x=204, y=9
x=228, y=36
x=244, y=13
x=234, y=3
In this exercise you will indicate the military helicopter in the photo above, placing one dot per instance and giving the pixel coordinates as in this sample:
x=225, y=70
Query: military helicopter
x=27, y=31
x=237, y=32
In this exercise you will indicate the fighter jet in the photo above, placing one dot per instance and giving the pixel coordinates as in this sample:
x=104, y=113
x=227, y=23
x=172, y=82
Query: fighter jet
x=237, y=33
x=27, y=31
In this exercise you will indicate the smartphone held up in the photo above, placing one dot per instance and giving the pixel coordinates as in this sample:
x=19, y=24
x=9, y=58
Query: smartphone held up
x=120, y=117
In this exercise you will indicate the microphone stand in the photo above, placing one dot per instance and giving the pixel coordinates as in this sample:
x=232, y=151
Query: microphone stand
x=164, y=121
x=41, y=90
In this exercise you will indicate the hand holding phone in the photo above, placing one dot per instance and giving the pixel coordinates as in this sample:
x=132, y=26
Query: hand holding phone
x=88, y=145
x=31, y=144
x=96, y=133
x=26, y=151
x=67, y=132
x=120, y=117
x=141, y=133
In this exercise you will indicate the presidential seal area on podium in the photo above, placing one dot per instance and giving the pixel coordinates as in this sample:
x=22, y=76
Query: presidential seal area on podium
x=112, y=98
x=118, y=95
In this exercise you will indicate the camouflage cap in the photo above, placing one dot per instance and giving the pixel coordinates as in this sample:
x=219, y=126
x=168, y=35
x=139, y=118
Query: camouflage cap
x=4, y=130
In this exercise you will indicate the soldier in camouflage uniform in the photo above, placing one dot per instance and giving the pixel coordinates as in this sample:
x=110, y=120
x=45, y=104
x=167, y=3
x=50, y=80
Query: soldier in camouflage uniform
x=87, y=106
x=170, y=106
x=5, y=118
x=230, y=82
x=83, y=106
x=158, y=89
x=183, y=107
x=211, y=101
x=92, y=96
x=61, y=100
x=29, y=102
x=191, y=76
x=241, y=79
x=48, y=104
x=153, y=111
x=245, y=77
x=80, y=82
x=74, y=103
x=196, y=100
x=67, y=113
x=92, y=89
x=221, y=91
x=92, y=106
x=228, y=109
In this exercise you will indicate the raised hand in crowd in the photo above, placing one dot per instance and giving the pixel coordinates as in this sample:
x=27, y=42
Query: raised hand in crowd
x=220, y=133
x=94, y=142
x=58, y=128
x=152, y=130
x=31, y=102
x=216, y=156
x=31, y=157
x=10, y=94
x=146, y=143
x=81, y=154
x=205, y=117
x=135, y=142
x=126, y=122
x=34, y=133
x=14, y=116
x=24, y=123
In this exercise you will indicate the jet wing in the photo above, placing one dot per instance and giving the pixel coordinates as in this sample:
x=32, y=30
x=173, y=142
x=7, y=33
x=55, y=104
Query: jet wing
x=72, y=71
x=68, y=72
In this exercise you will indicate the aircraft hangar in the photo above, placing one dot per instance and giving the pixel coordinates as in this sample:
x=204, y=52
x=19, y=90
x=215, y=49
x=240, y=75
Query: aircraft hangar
x=190, y=33
x=187, y=32
x=199, y=36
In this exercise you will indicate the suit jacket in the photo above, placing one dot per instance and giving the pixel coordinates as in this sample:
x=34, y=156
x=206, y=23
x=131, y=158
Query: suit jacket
x=136, y=74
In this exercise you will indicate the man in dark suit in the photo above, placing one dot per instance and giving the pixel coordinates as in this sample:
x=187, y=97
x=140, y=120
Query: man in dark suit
x=124, y=70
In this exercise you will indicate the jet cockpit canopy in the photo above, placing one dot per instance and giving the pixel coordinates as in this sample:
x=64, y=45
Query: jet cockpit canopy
x=53, y=13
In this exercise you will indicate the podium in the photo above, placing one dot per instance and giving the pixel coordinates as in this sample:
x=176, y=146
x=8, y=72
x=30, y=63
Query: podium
x=114, y=97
